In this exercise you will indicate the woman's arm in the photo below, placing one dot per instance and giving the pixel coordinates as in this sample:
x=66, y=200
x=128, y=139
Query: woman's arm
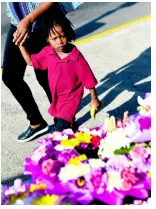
x=26, y=55
x=38, y=11
x=22, y=31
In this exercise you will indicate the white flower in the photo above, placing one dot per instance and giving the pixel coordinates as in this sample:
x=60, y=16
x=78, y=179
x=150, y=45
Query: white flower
x=83, y=169
x=144, y=102
x=60, y=147
x=68, y=131
x=130, y=129
x=84, y=129
x=105, y=150
x=113, y=141
x=18, y=202
x=145, y=105
x=96, y=163
x=109, y=124
x=71, y=171
x=114, y=180
x=98, y=132
x=119, y=162
x=58, y=136
x=68, y=172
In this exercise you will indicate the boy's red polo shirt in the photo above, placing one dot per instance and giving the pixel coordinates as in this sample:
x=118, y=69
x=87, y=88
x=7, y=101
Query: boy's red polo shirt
x=67, y=79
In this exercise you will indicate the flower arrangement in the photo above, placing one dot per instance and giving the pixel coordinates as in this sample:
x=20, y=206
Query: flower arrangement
x=108, y=164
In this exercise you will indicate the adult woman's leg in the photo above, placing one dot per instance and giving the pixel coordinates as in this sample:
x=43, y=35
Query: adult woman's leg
x=35, y=44
x=13, y=73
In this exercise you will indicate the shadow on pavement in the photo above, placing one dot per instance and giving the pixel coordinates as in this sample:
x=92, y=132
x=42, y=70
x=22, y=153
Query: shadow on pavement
x=124, y=78
x=95, y=25
x=10, y=181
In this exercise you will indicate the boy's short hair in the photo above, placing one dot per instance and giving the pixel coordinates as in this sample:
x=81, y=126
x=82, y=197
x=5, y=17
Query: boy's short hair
x=52, y=18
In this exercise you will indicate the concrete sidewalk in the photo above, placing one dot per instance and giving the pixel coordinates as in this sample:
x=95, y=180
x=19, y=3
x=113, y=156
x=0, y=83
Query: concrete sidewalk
x=121, y=63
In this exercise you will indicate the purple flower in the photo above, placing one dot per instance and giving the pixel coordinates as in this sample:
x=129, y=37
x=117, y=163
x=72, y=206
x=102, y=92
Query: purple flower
x=51, y=167
x=66, y=155
x=145, y=123
x=142, y=166
x=4, y=197
x=117, y=162
x=83, y=145
x=96, y=181
x=98, y=131
x=45, y=142
x=143, y=130
x=79, y=188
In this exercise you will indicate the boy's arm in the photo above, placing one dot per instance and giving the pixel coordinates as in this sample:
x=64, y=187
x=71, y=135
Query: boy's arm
x=93, y=93
x=26, y=55
x=95, y=102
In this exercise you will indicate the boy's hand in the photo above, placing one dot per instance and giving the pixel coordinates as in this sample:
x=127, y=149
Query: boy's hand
x=22, y=32
x=94, y=105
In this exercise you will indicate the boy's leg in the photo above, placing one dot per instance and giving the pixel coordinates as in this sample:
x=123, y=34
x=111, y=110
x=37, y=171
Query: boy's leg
x=74, y=126
x=13, y=73
x=61, y=124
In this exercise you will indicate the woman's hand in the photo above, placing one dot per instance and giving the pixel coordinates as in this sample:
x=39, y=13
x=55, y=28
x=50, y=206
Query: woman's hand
x=23, y=27
x=22, y=32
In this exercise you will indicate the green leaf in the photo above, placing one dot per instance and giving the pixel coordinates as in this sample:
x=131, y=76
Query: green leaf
x=67, y=203
x=144, y=145
x=124, y=150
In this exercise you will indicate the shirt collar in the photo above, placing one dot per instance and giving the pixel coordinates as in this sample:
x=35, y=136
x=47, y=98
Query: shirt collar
x=74, y=54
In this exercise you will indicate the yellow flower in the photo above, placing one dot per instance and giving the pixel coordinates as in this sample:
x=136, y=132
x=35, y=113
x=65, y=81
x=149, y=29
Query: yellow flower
x=70, y=143
x=80, y=182
x=77, y=160
x=13, y=198
x=125, y=116
x=143, y=108
x=35, y=187
x=79, y=138
x=149, y=174
x=46, y=200
x=83, y=137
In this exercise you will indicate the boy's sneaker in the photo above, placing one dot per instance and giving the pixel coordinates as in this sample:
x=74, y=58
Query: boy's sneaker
x=32, y=133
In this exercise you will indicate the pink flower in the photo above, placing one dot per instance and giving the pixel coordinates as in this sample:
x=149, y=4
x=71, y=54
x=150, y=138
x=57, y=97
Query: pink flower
x=95, y=181
x=139, y=152
x=119, y=123
x=126, y=186
x=48, y=167
x=128, y=178
x=38, y=154
x=138, y=202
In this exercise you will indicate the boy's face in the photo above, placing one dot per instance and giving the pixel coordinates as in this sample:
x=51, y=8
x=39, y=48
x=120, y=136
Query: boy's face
x=57, y=39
